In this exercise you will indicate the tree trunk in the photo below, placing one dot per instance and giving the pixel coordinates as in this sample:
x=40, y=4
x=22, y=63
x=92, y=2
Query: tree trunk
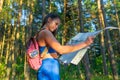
x=109, y=46
x=102, y=41
x=105, y=70
x=87, y=66
x=26, y=69
x=80, y=15
x=43, y=9
x=117, y=17
x=85, y=58
x=50, y=7
x=26, y=66
x=9, y=62
x=3, y=41
x=25, y=37
x=8, y=51
x=8, y=57
x=65, y=26
x=1, y=4
x=16, y=43
x=118, y=24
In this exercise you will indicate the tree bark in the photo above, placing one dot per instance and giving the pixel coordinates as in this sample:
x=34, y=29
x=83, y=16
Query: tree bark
x=26, y=66
x=87, y=67
x=102, y=41
x=85, y=58
x=43, y=9
x=108, y=44
x=117, y=17
x=8, y=57
x=3, y=41
x=1, y=4
x=9, y=63
x=80, y=16
x=25, y=37
x=118, y=24
x=50, y=7
x=65, y=25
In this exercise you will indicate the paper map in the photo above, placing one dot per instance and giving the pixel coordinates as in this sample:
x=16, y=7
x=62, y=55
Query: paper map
x=75, y=57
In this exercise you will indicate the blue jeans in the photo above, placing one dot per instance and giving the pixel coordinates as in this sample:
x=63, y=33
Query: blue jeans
x=49, y=70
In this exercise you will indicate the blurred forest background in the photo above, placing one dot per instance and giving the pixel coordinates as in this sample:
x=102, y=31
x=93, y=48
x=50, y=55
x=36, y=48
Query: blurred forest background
x=20, y=19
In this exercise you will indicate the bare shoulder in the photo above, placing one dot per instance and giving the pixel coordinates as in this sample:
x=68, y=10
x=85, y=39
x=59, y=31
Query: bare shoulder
x=46, y=33
x=43, y=34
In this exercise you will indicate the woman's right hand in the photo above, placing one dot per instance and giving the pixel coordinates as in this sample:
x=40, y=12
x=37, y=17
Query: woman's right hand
x=89, y=40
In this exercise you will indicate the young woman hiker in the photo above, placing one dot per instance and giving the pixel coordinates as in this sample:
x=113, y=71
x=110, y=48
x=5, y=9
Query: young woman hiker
x=46, y=39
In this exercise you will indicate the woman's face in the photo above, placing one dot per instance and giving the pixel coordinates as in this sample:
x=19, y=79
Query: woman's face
x=53, y=24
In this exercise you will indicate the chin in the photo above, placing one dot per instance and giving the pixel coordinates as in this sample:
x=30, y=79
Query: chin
x=52, y=30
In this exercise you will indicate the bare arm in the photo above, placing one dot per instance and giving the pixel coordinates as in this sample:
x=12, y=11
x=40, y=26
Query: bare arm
x=63, y=49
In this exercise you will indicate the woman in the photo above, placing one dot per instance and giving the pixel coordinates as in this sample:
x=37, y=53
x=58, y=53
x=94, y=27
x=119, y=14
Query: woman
x=50, y=66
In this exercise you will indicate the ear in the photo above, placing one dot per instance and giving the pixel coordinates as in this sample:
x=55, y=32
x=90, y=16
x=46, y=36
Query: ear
x=49, y=19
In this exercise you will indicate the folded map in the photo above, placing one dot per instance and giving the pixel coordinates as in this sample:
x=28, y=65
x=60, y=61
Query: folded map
x=75, y=57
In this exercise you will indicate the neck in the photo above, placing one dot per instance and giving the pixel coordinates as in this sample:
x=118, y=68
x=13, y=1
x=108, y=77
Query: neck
x=45, y=27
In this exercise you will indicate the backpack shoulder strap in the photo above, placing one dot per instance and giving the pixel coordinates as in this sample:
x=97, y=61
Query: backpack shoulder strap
x=44, y=52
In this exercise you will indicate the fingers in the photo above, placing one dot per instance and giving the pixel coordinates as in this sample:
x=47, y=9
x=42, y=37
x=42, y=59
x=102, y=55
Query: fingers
x=90, y=40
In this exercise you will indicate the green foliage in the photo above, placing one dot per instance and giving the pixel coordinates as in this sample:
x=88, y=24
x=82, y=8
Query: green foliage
x=101, y=77
x=2, y=67
x=70, y=72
